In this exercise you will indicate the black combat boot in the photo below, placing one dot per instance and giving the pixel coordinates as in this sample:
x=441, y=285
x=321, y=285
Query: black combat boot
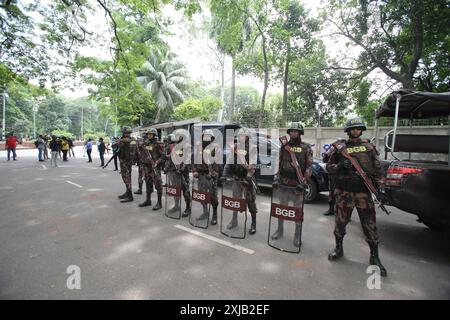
x=187, y=211
x=330, y=211
x=214, y=217
x=253, y=226
x=176, y=207
x=297, y=235
x=375, y=260
x=158, y=204
x=123, y=196
x=148, y=201
x=338, y=251
x=205, y=214
x=279, y=233
x=234, y=222
x=139, y=191
x=128, y=197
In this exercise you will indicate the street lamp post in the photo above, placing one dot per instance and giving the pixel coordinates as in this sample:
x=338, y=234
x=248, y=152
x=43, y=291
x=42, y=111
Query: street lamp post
x=35, y=109
x=4, y=114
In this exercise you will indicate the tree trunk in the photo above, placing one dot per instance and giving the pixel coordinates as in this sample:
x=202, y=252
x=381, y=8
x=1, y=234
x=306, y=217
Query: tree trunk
x=233, y=86
x=222, y=89
x=286, y=81
x=266, y=82
x=158, y=114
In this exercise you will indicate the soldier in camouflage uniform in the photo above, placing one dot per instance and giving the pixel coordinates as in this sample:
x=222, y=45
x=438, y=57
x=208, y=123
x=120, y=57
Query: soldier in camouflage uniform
x=207, y=175
x=178, y=173
x=243, y=178
x=140, y=177
x=126, y=154
x=152, y=156
x=351, y=191
x=287, y=176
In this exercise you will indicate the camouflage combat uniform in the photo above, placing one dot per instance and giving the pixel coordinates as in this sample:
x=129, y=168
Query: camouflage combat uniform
x=178, y=174
x=350, y=190
x=242, y=183
x=126, y=154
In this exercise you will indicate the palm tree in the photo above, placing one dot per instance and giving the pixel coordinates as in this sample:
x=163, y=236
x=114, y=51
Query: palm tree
x=163, y=78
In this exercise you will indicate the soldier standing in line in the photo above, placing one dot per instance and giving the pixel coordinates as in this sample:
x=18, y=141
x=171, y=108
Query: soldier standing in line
x=352, y=192
x=287, y=176
x=243, y=181
x=179, y=172
x=156, y=151
x=207, y=175
x=127, y=152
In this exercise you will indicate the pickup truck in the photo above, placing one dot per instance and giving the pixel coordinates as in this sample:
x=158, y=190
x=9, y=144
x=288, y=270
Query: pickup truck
x=420, y=187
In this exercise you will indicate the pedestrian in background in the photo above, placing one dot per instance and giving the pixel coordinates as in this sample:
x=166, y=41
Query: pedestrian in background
x=11, y=143
x=54, y=147
x=88, y=146
x=64, y=147
x=114, y=148
x=71, y=145
x=47, y=142
x=40, y=143
x=101, y=150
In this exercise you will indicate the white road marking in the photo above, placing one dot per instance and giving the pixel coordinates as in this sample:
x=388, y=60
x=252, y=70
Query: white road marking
x=73, y=183
x=212, y=238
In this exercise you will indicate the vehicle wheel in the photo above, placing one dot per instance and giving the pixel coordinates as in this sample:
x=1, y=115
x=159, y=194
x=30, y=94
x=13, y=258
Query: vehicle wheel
x=311, y=191
x=432, y=225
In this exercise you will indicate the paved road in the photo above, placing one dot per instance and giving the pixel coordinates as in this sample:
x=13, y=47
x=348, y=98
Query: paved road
x=51, y=218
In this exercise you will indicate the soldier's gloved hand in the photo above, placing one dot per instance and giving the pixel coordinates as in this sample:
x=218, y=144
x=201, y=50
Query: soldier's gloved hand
x=245, y=183
x=382, y=197
x=300, y=187
x=345, y=163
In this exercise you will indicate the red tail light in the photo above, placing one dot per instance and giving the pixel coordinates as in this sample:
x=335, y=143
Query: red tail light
x=395, y=174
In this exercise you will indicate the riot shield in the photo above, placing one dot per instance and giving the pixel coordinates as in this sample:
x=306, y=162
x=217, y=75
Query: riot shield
x=173, y=195
x=201, y=202
x=286, y=219
x=233, y=218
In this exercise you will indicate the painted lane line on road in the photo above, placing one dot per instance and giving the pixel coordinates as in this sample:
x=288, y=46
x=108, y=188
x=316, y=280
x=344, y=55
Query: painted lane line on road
x=212, y=238
x=73, y=183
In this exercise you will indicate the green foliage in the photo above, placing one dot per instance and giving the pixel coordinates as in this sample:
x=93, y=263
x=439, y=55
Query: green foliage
x=205, y=108
x=63, y=133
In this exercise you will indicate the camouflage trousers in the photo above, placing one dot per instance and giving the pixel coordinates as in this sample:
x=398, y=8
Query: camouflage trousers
x=180, y=180
x=209, y=185
x=141, y=173
x=345, y=203
x=125, y=171
x=151, y=179
x=249, y=194
x=331, y=188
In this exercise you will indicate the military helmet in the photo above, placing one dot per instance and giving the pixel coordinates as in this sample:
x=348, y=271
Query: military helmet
x=356, y=122
x=153, y=131
x=208, y=135
x=296, y=126
x=126, y=129
x=171, y=138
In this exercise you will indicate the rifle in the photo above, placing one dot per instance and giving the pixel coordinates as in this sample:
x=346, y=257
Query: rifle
x=112, y=157
x=373, y=191
x=294, y=161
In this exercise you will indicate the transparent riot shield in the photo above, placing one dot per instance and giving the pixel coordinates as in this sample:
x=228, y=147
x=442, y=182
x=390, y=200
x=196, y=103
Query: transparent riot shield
x=201, y=202
x=173, y=195
x=233, y=218
x=286, y=219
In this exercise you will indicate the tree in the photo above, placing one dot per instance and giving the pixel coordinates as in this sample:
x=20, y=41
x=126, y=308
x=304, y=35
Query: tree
x=163, y=78
x=205, y=108
x=292, y=36
x=407, y=40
